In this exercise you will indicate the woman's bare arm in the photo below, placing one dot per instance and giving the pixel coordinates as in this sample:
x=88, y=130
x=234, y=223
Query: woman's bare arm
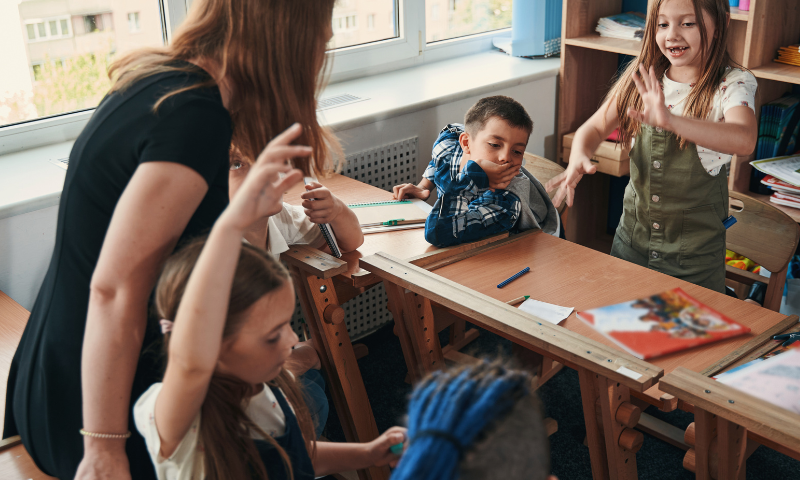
x=149, y=218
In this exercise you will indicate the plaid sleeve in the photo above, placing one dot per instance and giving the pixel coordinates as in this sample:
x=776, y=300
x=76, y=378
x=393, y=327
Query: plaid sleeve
x=469, y=211
x=445, y=156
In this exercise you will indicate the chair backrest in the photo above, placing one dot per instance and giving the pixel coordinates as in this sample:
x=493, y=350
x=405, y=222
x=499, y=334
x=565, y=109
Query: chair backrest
x=544, y=169
x=762, y=232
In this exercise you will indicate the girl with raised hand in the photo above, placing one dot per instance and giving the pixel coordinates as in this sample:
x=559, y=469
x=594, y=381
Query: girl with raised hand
x=685, y=107
x=227, y=408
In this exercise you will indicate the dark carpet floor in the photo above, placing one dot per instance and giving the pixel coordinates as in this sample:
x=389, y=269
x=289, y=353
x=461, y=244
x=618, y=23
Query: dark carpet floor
x=384, y=371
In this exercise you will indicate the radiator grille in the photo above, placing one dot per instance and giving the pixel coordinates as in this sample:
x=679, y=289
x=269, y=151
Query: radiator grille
x=382, y=167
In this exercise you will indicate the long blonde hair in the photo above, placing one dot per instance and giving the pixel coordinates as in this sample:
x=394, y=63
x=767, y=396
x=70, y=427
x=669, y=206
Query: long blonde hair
x=225, y=429
x=713, y=59
x=272, y=55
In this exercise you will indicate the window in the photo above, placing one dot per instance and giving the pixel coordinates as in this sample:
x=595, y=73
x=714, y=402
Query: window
x=47, y=29
x=45, y=72
x=92, y=23
x=466, y=17
x=133, y=22
x=346, y=22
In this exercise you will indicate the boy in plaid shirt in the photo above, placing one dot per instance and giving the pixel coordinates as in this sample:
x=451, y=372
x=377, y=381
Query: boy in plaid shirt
x=481, y=185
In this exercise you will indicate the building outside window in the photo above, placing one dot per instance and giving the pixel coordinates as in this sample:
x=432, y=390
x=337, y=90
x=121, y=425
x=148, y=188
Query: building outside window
x=133, y=22
x=92, y=23
x=371, y=22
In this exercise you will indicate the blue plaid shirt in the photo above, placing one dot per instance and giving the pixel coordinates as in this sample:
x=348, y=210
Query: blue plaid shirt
x=466, y=209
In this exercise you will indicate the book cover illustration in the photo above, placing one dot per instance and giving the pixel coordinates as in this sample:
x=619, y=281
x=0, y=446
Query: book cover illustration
x=664, y=323
x=775, y=379
x=767, y=355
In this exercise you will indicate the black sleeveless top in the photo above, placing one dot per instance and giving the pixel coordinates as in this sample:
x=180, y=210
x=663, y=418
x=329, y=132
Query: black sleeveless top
x=43, y=402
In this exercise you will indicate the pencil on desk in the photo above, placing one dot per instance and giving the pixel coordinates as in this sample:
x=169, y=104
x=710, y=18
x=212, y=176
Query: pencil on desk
x=392, y=223
x=518, y=300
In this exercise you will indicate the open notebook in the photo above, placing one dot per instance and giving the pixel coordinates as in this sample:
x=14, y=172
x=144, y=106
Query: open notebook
x=379, y=216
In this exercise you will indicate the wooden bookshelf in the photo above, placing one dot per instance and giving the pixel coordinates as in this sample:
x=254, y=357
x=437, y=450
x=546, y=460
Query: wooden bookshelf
x=589, y=63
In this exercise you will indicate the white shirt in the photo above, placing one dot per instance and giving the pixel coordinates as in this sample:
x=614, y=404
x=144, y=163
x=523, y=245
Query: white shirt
x=291, y=226
x=186, y=462
x=737, y=89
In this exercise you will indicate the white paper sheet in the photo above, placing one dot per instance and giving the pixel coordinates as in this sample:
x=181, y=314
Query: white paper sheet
x=546, y=311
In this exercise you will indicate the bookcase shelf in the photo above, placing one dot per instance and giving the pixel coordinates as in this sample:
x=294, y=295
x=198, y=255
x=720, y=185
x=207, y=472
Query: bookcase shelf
x=737, y=14
x=780, y=72
x=590, y=62
x=615, y=45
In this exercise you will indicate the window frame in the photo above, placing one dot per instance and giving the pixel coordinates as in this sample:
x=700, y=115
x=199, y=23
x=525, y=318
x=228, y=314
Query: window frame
x=406, y=50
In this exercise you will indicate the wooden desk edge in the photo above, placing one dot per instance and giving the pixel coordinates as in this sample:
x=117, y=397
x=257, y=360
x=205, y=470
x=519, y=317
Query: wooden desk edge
x=313, y=261
x=584, y=353
x=756, y=415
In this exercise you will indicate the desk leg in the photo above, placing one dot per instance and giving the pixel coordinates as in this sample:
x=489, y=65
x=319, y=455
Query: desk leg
x=594, y=432
x=731, y=447
x=336, y=354
x=705, y=432
x=417, y=317
x=396, y=307
x=622, y=442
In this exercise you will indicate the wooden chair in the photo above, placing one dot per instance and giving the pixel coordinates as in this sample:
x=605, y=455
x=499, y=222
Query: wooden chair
x=15, y=463
x=765, y=235
x=544, y=169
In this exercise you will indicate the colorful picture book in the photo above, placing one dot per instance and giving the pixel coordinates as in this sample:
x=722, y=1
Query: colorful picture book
x=770, y=354
x=775, y=379
x=664, y=323
x=629, y=26
x=785, y=169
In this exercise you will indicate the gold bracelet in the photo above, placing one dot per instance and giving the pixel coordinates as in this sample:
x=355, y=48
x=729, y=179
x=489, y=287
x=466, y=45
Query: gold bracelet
x=114, y=436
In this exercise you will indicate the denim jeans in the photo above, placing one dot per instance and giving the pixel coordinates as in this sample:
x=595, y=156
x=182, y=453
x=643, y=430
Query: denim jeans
x=313, y=386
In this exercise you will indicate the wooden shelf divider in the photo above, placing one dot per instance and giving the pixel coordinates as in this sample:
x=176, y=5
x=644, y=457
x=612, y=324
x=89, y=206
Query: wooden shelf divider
x=606, y=44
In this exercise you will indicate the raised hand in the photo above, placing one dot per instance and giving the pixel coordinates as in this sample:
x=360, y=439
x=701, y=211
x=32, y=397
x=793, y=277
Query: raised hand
x=261, y=193
x=655, y=113
x=567, y=180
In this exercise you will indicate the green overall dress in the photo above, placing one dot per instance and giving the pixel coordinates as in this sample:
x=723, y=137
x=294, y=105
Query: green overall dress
x=673, y=211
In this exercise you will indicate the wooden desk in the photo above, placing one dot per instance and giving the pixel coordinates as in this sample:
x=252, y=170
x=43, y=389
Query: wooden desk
x=15, y=463
x=567, y=274
x=324, y=283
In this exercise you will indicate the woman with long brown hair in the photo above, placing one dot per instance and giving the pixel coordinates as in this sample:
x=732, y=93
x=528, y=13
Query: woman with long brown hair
x=150, y=170
x=227, y=408
x=685, y=109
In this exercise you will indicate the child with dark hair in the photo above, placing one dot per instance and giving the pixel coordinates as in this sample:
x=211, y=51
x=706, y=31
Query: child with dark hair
x=480, y=422
x=481, y=185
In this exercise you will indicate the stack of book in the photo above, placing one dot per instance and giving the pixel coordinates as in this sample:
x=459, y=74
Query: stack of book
x=783, y=193
x=779, y=127
x=629, y=26
x=790, y=55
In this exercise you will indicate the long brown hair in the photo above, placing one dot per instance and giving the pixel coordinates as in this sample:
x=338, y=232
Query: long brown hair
x=225, y=429
x=713, y=59
x=272, y=55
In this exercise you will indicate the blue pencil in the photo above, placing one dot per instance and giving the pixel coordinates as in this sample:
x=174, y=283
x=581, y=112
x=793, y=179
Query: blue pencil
x=513, y=277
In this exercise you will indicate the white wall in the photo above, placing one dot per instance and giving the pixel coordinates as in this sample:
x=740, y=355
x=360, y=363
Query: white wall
x=26, y=241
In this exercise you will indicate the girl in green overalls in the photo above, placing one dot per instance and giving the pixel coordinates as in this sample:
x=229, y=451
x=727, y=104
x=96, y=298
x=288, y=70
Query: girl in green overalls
x=684, y=109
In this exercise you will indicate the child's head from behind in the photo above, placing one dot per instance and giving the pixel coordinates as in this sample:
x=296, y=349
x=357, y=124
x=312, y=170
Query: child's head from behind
x=256, y=341
x=497, y=130
x=479, y=422
x=688, y=37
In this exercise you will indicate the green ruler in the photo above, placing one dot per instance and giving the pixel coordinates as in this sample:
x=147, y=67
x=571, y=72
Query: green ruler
x=376, y=204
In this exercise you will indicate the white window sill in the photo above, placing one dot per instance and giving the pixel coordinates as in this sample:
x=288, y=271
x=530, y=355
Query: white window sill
x=29, y=181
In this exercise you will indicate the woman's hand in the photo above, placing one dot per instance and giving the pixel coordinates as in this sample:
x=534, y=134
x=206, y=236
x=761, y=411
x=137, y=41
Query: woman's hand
x=321, y=206
x=104, y=463
x=567, y=181
x=655, y=112
x=261, y=193
x=380, y=448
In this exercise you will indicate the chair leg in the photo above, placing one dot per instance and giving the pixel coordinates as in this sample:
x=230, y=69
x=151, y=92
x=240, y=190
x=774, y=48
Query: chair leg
x=772, y=299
